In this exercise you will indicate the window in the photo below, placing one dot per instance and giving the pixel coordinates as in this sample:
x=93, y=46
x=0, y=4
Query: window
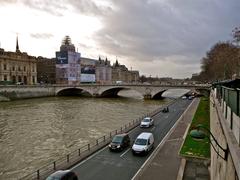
x=14, y=79
x=33, y=79
x=19, y=68
x=19, y=79
x=13, y=68
x=24, y=68
x=5, y=77
x=4, y=67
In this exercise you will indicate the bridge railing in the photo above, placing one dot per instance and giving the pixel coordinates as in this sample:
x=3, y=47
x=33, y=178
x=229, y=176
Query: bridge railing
x=85, y=151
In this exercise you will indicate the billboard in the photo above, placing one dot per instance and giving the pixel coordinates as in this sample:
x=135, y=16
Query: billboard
x=88, y=70
x=88, y=78
x=62, y=57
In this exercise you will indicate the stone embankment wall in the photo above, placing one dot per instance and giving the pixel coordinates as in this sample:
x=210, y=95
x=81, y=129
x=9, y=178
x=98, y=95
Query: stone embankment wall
x=227, y=135
x=14, y=92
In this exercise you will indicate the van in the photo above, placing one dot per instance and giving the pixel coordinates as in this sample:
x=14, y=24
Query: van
x=143, y=143
x=119, y=142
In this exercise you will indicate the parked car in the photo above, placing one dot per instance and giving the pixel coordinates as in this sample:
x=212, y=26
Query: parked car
x=119, y=142
x=147, y=122
x=63, y=175
x=19, y=83
x=143, y=143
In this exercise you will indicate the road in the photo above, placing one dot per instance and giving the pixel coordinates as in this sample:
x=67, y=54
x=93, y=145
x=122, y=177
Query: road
x=106, y=165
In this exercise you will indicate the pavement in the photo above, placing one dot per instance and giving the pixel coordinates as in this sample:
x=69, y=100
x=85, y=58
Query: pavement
x=165, y=163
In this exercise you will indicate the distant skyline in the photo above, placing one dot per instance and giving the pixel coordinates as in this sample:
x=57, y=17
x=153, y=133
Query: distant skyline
x=164, y=38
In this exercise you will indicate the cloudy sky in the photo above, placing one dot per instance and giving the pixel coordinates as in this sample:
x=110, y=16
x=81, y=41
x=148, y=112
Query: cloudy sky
x=164, y=38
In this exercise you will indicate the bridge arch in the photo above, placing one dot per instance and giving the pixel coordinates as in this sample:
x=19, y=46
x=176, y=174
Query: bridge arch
x=158, y=95
x=112, y=92
x=72, y=91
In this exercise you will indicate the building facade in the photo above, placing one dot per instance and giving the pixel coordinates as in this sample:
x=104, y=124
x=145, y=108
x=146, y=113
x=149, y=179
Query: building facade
x=121, y=73
x=17, y=67
x=46, y=70
x=68, y=69
x=103, y=71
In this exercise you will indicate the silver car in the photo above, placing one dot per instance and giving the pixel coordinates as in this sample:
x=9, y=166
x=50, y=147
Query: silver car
x=147, y=122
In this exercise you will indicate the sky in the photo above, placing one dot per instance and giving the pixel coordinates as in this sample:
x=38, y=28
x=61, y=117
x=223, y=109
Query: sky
x=160, y=38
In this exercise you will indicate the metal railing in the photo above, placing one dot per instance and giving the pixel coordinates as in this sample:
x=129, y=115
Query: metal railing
x=85, y=151
x=230, y=96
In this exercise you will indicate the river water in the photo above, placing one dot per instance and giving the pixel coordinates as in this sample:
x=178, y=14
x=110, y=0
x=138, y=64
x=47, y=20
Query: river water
x=35, y=132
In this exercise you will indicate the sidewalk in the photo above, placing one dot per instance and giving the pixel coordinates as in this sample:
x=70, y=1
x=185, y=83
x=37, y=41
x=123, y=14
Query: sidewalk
x=165, y=162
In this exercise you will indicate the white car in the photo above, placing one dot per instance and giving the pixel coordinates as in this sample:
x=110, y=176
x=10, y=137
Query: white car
x=143, y=143
x=147, y=122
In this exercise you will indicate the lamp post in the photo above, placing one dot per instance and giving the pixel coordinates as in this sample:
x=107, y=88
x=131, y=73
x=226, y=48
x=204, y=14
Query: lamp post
x=198, y=134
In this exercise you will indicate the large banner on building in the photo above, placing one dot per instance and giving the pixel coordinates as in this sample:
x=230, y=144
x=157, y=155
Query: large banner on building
x=62, y=57
x=88, y=70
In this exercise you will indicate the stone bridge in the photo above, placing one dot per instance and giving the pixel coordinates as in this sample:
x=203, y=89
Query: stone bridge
x=12, y=92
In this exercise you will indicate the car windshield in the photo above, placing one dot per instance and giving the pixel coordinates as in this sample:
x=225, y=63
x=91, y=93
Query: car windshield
x=146, y=120
x=141, y=142
x=117, y=139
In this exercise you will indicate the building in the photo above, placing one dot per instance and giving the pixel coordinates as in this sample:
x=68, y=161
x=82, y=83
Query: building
x=68, y=69
x=103, y=71
x=46, y=70
x=17, y=67
x=88, y=70
x=121, y=73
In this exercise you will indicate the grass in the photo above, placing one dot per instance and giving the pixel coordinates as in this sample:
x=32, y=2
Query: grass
x=200, y=148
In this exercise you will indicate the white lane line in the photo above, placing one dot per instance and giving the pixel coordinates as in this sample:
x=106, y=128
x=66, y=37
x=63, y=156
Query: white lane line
x=153, y=128
x=125, y=152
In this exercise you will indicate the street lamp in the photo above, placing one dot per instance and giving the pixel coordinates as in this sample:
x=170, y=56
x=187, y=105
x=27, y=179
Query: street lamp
x=198, y=134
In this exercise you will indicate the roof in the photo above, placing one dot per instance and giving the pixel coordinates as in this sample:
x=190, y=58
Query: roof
x=60, y=173
x=124, y=134
x=144, y=135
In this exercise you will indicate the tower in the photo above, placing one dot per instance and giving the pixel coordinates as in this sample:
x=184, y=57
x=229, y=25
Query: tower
x=17, y=46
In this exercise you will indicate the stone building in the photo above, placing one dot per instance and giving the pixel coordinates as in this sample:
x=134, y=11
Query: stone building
x=103, y=71
x=121, y=73
x=46, y=70
x=17, y=67
x=68, y=69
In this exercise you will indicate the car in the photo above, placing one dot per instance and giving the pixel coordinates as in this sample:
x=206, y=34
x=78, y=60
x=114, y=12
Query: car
x=190, y=97
x=165, y=110
x=184, y=97
x=63, y=175
x=143, y=143
x=119, y=142
x=147, y=122
x=19, y=83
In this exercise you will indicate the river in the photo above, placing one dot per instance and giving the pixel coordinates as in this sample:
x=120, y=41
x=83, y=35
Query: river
x=34, y=132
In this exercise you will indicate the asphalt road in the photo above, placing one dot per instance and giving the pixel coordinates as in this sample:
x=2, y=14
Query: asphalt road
x=106, y=165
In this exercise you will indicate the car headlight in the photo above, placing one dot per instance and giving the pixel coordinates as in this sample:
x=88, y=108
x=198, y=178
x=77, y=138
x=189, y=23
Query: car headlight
x=118, y=146
x=109, y=145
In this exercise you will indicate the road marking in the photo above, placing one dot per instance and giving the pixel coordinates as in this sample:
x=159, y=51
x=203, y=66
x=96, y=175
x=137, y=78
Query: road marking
x=125, y=152
x=153, y=128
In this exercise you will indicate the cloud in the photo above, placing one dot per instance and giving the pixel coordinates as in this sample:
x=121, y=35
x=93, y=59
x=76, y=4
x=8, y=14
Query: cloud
x=177, y=31
x=58, y=8
x=42, y=35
